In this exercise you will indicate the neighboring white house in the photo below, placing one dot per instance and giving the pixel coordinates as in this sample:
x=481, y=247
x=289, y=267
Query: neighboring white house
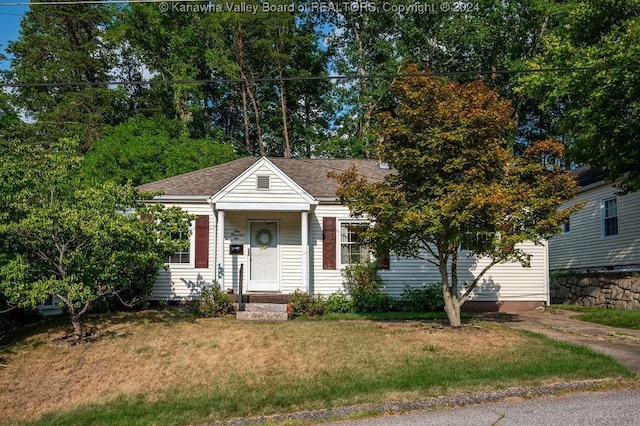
x=604, y=234
x=279, y=221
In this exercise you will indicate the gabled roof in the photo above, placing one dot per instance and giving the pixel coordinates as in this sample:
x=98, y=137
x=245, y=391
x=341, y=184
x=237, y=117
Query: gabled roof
x=310, y=174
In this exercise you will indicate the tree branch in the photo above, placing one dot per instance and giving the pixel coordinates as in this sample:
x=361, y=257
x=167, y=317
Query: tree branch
x=131, y=304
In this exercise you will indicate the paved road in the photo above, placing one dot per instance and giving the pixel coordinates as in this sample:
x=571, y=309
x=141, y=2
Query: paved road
x=584, y=409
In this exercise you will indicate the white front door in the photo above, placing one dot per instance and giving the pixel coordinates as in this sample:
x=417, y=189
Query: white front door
x=263, y=256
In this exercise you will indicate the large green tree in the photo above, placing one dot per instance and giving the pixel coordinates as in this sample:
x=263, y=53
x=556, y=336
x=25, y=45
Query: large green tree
x=596, y=109
x=258, y=116
x=455, y=184
x=79, y=244
x=68, y=44
x=142, y=150
x=486, y=35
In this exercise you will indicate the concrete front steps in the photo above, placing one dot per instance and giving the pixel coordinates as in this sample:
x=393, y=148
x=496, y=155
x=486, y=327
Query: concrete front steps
x=263, y=312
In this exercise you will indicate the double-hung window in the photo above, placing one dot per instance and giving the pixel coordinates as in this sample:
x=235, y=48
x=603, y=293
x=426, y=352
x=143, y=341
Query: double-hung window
x=351, y=251
x=182, y=256
x=609, y=209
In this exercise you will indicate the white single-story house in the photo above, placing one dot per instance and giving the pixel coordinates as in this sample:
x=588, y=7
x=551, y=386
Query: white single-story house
x=602, y=236
x=274, y=225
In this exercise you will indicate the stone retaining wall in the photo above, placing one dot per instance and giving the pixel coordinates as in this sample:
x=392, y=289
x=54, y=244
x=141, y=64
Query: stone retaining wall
x=619, y=291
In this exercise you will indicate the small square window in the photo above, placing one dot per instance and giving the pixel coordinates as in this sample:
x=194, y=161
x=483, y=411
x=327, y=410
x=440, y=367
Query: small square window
x=263, y=182
x=566, y=227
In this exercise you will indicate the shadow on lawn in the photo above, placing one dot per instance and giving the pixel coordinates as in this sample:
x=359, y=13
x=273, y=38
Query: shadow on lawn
x=499, y=317
x=169, y=317
x=98, y=324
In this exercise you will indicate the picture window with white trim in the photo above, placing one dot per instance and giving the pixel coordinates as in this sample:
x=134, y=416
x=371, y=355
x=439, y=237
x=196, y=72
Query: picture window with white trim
x=351, y=251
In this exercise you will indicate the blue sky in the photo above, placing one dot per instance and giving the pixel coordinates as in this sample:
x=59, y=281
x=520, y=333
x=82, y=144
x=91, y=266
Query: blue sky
x=9, y=26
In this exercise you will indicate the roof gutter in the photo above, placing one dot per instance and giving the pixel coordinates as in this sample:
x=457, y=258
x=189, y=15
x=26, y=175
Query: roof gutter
x=179, y=198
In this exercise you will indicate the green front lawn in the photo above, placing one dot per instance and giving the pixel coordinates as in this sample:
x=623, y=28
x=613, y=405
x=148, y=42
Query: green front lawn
x=611, y=317
x=167, y=368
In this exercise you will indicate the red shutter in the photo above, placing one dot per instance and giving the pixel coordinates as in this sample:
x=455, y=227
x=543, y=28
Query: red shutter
x=328, y=243
x=202, y=241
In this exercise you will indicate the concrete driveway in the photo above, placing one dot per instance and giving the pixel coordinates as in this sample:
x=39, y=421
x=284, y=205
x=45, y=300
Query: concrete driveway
x=620, y=343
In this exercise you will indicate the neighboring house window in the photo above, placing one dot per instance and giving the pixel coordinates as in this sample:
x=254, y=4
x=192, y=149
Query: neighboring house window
x=179, y=256
x=350, y=250
x=566, y=227
x=609, y=217
x=50, y=302
x=50, y=306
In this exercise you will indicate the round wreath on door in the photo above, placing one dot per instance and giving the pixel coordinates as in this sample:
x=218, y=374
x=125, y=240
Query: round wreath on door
x=264, y=237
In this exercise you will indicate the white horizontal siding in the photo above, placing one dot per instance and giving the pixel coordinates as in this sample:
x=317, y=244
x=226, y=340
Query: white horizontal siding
x=507, y=282
x=584, y=246
x=183, y=281
x=290, y=253
x=503, y=282
x=246, y=190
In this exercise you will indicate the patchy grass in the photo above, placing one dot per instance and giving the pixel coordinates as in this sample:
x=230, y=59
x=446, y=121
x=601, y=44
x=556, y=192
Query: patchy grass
x=611, y=317
x=386, y=316
x=163, y=367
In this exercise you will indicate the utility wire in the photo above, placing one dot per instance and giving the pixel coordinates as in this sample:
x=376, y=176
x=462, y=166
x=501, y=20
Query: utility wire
x=315, y=78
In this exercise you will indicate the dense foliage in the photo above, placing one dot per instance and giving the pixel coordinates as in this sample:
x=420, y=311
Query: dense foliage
x=251, y=98
x=455, y=184
x=212, y=302
x=143, y=150
x=79, y=244
x=596, y=110
x=364, y=285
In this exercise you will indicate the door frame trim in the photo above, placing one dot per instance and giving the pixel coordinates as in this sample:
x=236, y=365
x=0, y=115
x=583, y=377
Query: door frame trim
x=278, y=254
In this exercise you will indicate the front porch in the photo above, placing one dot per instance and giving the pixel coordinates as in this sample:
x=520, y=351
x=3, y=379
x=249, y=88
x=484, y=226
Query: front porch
x=264, y=255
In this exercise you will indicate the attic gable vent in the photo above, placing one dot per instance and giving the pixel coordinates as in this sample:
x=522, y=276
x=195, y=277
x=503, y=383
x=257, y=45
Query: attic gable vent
x=263, y=182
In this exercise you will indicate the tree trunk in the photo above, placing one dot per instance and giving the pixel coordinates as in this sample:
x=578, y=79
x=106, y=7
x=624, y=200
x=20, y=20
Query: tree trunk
x=450, y=291
x=247, y=88
x=256, y=113
x=451, y=306
x=286, y=148
x=245, y=118
x=77, y=325
x=307, y=125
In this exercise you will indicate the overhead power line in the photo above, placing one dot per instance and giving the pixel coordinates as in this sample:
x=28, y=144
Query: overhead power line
x=314, y=78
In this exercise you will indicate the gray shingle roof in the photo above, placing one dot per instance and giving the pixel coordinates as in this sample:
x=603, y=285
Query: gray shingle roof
x=586, y=175
x=310, y=174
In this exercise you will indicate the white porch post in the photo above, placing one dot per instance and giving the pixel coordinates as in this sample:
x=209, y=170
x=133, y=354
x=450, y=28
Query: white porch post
x=304, y=243
x=220, y=249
